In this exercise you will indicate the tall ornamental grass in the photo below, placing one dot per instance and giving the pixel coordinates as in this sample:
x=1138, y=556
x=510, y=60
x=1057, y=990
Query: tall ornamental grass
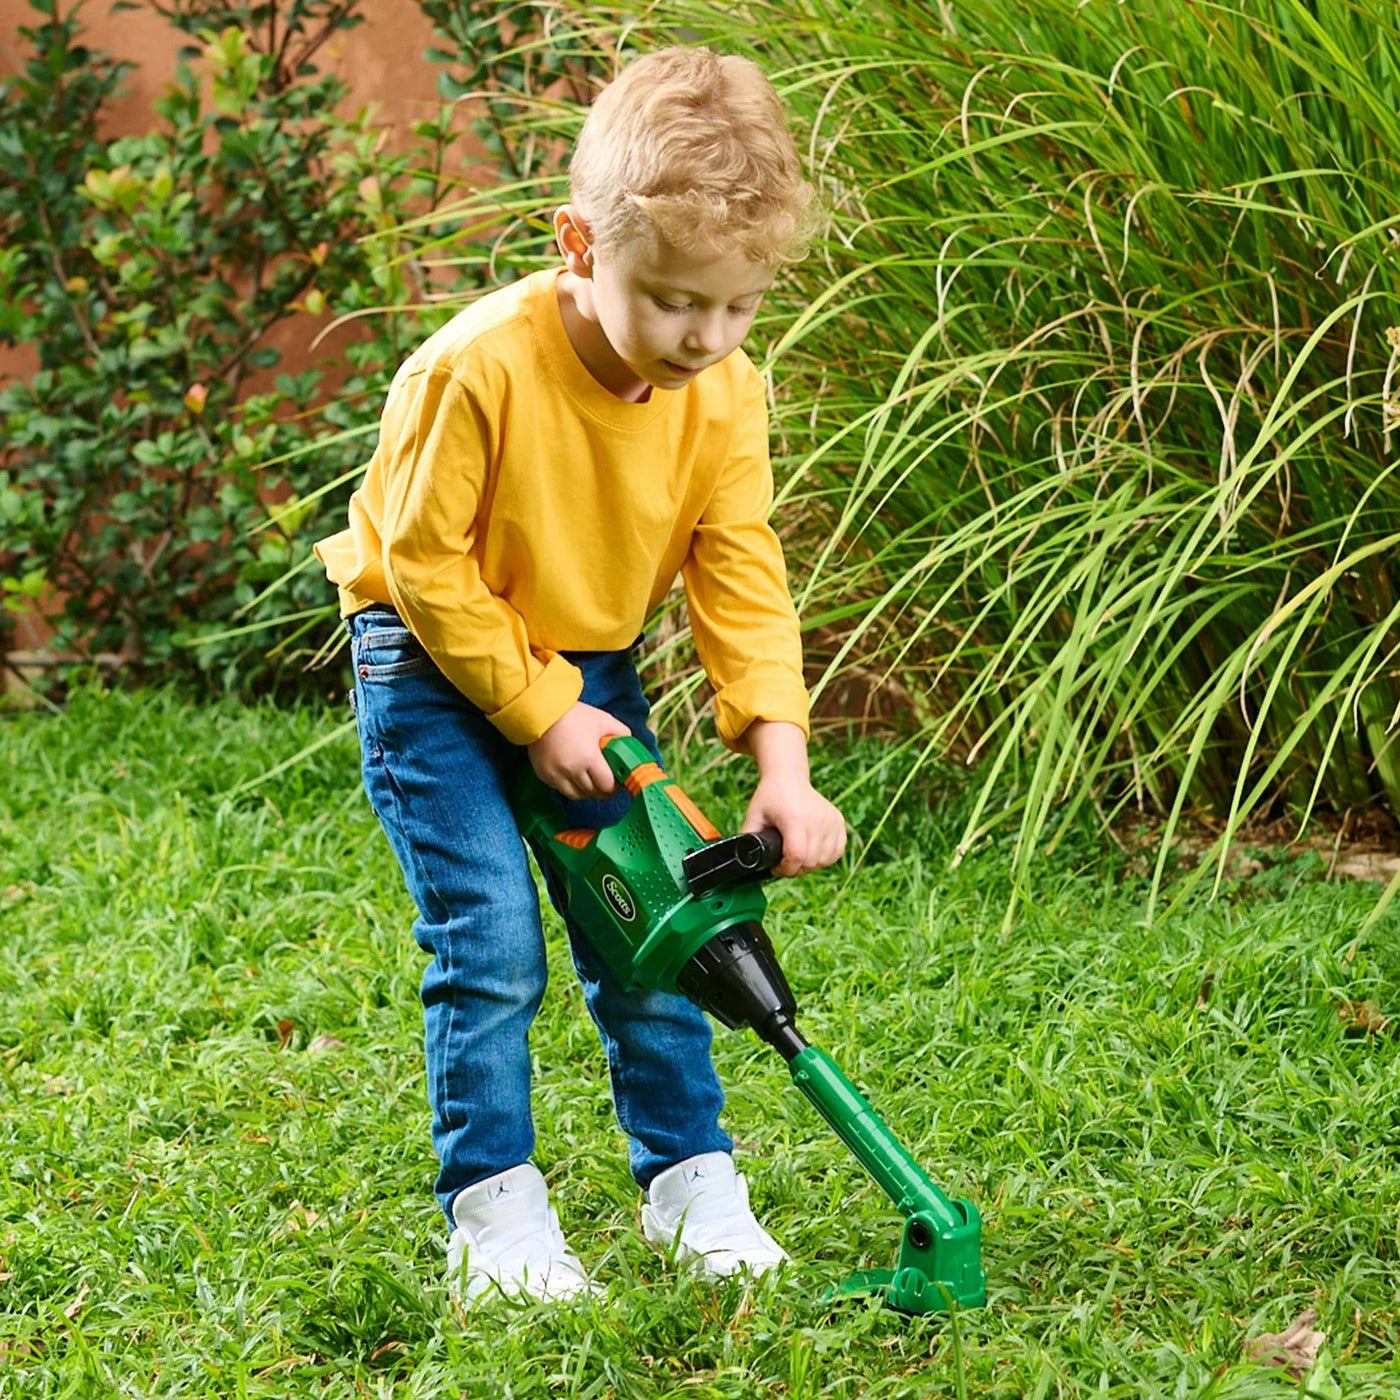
x=1087, y=405
x=1084, y=402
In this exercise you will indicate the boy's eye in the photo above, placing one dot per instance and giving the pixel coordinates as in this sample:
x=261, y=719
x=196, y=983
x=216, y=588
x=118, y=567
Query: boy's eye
x=676, y=308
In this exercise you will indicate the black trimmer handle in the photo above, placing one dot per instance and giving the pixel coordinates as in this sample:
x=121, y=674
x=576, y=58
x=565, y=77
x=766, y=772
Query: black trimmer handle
x=735, y=860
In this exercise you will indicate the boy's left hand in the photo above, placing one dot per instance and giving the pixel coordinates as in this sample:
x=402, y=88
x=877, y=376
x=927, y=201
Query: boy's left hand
x=813, y=831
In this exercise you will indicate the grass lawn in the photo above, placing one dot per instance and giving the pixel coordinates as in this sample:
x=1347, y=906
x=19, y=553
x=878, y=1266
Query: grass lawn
x=217, y=1176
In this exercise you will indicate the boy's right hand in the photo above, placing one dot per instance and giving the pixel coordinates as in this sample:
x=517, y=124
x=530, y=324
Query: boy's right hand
x=568, y=756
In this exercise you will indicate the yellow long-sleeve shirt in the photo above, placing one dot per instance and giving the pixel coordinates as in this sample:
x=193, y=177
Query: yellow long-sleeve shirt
x=514, y=509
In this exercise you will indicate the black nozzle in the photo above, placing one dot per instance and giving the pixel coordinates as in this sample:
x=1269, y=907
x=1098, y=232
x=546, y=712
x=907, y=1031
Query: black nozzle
x=736, y=978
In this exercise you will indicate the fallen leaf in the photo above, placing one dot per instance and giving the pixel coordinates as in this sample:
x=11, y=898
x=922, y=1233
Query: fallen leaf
x=73, y=1308
x=1364, y=1016
x=299, y=1218
x=284, y=1033
x=1295, y=1348
x=323, y=1042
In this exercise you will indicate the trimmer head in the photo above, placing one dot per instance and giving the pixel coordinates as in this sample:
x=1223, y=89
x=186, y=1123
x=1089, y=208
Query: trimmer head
x=940, y=1252
x=934, y=1272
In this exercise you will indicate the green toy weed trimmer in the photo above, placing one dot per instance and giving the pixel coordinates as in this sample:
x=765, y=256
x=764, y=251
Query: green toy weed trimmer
x=669, y=903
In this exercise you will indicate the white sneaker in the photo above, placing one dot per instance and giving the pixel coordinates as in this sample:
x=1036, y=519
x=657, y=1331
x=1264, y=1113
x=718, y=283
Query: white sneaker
x=701, y=1208
x=508, y=1238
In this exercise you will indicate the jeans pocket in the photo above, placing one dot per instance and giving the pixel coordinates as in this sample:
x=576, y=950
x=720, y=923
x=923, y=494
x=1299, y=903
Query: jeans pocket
x=381, y=653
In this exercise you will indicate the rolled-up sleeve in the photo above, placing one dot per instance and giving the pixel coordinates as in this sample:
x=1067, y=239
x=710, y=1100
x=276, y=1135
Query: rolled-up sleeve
x=741, y=613
x=436, y=450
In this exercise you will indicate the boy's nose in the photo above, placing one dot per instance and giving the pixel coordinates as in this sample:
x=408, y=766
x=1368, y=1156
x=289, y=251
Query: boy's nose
x=706, y=335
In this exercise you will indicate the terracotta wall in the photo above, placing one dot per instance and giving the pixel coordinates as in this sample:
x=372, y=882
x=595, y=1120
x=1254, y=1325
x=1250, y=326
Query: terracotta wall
x=382, y=60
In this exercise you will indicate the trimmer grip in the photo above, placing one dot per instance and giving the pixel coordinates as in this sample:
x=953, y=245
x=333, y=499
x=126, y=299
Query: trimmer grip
x=736, y=860
x=772, y=840
x=625, y=755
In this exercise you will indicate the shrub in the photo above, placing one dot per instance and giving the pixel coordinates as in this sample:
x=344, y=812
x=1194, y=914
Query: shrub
x=153, y=483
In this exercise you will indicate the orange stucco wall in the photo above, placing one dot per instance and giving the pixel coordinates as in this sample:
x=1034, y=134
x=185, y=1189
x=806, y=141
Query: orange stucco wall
x=381, y=61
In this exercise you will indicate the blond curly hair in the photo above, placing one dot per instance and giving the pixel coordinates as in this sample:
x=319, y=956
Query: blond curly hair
x=693, y=147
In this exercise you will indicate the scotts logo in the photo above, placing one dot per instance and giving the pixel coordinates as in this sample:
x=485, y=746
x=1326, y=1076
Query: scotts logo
x=620, y=897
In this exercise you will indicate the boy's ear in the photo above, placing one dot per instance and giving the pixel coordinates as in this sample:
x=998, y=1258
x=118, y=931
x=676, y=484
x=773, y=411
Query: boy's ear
x=575, y=246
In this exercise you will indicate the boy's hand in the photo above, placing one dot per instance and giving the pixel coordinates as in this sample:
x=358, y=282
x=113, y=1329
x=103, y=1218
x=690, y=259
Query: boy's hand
x=568, y=756
x=813, y=831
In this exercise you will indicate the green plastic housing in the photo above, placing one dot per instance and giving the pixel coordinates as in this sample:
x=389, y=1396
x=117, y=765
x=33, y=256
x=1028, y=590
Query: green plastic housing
x=626, y=887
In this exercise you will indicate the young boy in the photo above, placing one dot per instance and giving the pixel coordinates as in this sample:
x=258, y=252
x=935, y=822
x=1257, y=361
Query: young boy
x=548, y=462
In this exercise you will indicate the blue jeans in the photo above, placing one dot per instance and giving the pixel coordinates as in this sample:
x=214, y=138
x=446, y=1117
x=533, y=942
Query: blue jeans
x=436, y=773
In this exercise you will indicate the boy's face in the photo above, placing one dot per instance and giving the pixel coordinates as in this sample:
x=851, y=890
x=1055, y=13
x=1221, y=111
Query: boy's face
x=656, y=316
